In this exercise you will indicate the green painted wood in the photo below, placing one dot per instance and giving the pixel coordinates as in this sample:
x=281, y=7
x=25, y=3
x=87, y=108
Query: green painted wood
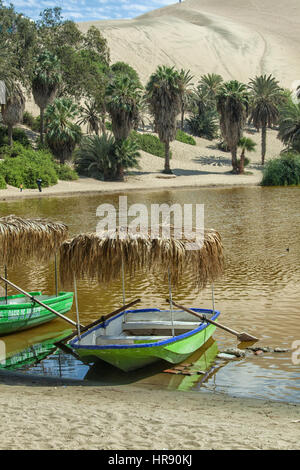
x=19, y=314
x=135, y=358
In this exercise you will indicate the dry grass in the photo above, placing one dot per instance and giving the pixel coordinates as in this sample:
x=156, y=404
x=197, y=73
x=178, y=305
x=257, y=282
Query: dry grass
x=29, y=238
x=99, y=256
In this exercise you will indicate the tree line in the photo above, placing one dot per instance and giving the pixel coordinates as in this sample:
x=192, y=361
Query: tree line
x=56, y=63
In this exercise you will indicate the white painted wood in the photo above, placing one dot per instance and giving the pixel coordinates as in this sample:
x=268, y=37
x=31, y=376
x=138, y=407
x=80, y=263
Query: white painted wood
x=103, y=340
x=162, y=325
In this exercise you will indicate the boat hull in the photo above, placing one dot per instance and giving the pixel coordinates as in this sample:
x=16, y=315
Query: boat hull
x=130, y=358
x=16, y=316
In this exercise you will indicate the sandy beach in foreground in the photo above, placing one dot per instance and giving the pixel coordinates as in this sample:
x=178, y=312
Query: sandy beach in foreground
x=49, y=414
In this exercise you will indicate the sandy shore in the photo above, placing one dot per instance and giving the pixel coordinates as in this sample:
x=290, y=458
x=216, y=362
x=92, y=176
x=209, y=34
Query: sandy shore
x=202, y=165
x=48, y=414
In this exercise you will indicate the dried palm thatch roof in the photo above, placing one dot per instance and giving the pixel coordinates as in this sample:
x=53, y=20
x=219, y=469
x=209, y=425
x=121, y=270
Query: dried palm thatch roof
x=29, y=238
x=99, y=256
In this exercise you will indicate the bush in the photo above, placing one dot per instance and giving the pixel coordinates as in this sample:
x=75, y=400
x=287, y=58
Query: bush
x=65, y=172
x=222, y=145
x=33, y=122
x=28, y=119
x=149, y=143
x=102, y=158
x=18, y=136
x=246, y=161
x=204, y=125
x=2, y=181
x=24, y=165
x=185, y=138
x=282, y=171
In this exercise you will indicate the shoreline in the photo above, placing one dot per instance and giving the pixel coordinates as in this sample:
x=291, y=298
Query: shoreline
x=103, y=191
x=57, y=413
x=193, y=167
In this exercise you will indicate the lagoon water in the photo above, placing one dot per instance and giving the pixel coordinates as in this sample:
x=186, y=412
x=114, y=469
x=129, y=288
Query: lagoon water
x=259, y=293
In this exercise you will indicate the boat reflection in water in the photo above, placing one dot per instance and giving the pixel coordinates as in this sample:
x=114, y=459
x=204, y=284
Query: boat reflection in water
x=39, y=356
x=24, y=351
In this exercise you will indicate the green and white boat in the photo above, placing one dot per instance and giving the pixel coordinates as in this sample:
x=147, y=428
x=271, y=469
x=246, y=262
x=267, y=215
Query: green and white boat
x=18, y=313
x=137, y=338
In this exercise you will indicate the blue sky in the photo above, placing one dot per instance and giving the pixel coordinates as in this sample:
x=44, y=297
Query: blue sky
x=86, y=10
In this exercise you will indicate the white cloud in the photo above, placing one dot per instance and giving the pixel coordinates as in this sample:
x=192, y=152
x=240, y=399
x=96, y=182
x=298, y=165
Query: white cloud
x=84, y=10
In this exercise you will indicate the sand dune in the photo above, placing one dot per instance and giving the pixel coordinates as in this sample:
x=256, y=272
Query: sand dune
x=236, y=38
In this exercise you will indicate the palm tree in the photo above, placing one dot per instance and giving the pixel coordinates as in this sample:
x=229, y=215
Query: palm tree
x=211, y=84
x=123, y=99
x=265, y=97
x=289, y=125
x=100, y=157
x=89, y=116
x=45, y=84
x=164, y=94
x=62, y=134
x=13, y=110
x=232, y=105
x=247, y=145
x=95, y=156
x=186, y=79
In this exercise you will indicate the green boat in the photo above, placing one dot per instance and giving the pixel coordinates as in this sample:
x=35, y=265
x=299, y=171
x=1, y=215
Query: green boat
x=137, y=338
x=17, y=313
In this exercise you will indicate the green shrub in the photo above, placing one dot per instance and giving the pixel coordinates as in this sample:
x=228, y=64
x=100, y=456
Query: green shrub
x=28, y=119
x=18, y=136
x=101, y=157
x=185, y=138
x=65, y=172
x=222, y=145
x=24, y=165
x=282, y=171
x=108, y=125
x=149, y=143
x=204, y=125
x=36, y=124
x=246, y=161
x=2, y=181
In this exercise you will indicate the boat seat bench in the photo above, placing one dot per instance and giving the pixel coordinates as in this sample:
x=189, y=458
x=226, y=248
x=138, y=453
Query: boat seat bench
x=103, y=340
x=161, y=325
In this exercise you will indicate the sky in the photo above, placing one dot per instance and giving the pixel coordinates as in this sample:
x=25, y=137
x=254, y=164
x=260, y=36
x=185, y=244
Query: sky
x=87, y=10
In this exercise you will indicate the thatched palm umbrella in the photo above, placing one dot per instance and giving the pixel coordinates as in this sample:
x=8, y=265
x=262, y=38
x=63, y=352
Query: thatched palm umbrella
x=29, y=238
x=103, y=256
x=37, y=239
x=13, y=110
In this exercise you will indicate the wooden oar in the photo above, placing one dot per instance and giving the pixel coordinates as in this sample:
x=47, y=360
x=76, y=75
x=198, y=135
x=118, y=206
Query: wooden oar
x=34, y=299
x=97, y=322
x=243, y=337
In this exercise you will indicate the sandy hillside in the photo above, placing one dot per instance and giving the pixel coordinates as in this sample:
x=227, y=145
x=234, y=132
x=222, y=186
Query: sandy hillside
x=236, y=38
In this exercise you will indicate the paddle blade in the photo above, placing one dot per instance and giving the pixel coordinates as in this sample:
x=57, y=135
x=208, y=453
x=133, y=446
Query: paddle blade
x=246, y=338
